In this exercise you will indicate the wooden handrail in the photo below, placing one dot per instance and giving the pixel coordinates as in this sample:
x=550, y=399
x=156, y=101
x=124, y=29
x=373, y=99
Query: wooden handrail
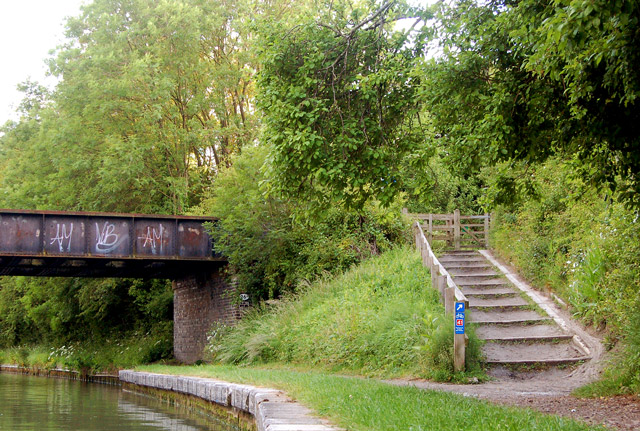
x=449, y=291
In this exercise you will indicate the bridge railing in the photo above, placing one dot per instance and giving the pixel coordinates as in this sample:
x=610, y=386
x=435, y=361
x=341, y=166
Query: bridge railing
x=449, y=291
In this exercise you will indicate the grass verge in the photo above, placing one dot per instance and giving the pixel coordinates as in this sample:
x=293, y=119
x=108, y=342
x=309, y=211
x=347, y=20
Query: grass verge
x=364, y=404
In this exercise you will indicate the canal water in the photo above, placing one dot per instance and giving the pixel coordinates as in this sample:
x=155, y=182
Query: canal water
x=48, y=404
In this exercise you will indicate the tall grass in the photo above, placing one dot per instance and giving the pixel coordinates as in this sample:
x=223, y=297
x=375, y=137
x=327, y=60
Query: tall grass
x=123, y=350
x=370, y=320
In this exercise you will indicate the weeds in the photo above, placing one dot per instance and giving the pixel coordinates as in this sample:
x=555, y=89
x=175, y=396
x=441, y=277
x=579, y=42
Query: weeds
x=103, y=355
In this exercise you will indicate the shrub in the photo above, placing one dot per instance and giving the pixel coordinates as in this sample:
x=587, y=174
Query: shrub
x=273, y=244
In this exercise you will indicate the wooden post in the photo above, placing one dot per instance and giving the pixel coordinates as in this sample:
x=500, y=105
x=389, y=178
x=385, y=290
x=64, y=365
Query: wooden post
x=456, y=229
x=458, y=352
x=449, y=300
x=434, y=275
x=486, y=230
x=430, y=228
x=442, y=284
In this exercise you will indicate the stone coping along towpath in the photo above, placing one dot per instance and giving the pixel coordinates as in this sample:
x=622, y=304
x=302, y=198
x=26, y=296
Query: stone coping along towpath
x=271, y=408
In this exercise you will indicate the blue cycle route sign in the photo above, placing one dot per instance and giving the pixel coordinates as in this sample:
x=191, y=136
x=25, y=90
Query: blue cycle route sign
x=459, y=318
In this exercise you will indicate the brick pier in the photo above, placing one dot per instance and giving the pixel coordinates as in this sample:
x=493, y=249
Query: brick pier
x=198, y=302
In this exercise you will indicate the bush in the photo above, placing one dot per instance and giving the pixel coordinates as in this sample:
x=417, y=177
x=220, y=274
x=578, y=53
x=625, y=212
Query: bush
x=272, y=244
x=438, y=348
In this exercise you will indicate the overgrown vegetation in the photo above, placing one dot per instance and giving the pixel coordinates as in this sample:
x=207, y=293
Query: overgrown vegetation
x=97, y=355
x=584, y=246
x=271, y=246
x=381, y=318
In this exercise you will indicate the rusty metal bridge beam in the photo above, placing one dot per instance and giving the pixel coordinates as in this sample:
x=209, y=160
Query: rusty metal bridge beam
x=53, y=243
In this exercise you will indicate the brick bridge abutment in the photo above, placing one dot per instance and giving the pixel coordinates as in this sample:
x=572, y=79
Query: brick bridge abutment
x=200, y=301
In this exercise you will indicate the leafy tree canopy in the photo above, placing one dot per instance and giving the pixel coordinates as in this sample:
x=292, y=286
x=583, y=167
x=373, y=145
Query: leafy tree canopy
x=519, y=81
x=338, y=95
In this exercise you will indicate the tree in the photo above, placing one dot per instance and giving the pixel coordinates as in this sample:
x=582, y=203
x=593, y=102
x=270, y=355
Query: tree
x=159, y=94
x=521, y=81
x=338, y=97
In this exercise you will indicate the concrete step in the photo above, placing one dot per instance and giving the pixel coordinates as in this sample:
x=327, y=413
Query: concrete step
x=513, y=301
x=467, y=266
x=472, y=278
x=447, y=259
x=488, y=292
x=506, y=316
x=533, y=353
x=462, y=253
x=497, y=282
x=472, y=272
x=519, y=332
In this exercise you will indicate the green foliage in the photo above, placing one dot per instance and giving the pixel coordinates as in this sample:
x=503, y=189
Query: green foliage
x=271, y=249
x=154, y=99
x=54, y=310
x=585, y=247
x=433, y=187
x=438, y=347
x=369, y=320
x=518, y=82
x=99, y=354
x=338, y=96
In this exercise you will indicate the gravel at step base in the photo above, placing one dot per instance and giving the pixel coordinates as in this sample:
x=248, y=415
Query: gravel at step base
x=620, y=412
x=531, y=353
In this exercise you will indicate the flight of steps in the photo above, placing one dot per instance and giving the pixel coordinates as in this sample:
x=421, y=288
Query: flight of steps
x=515, y=330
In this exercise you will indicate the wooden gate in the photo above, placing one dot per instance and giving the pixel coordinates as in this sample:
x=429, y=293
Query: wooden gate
x=458, y=231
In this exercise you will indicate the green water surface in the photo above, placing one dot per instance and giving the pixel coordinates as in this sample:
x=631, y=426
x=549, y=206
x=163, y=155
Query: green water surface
x=38, y=403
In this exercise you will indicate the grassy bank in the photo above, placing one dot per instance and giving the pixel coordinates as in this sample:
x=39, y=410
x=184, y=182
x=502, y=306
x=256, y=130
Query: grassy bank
x=365, y=404
x=379, y=318
x=122, y=351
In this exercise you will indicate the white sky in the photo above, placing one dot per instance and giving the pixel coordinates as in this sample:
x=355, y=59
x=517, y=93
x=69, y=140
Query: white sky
x=29, y=29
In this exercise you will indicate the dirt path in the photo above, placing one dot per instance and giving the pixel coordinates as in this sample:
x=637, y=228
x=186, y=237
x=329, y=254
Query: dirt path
x=549, y=391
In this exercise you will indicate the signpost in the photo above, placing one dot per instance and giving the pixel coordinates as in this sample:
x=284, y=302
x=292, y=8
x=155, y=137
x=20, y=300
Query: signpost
x=459, y=318
x=459, y=338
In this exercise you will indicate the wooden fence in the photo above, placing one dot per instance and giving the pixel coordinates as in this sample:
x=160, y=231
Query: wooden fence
x=459, y=231
x=449, y=292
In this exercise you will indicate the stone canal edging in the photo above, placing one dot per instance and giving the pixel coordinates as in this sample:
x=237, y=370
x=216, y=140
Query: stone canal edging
x=271, y=408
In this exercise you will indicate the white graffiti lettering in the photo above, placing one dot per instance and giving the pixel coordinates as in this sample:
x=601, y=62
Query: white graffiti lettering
x=152, y=237
x=63, y=236
x=106, y=239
